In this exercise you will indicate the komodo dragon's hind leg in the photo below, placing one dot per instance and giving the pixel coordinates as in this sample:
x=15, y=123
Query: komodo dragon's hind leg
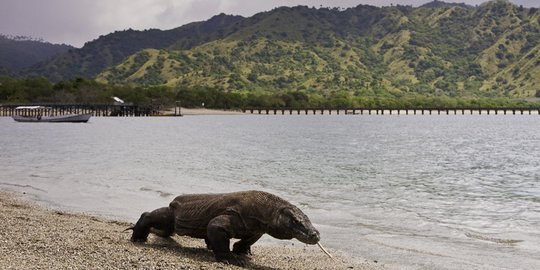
x=159, y=222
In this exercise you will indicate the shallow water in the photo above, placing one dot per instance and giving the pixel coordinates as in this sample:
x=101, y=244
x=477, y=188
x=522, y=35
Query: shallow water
x=418, y=192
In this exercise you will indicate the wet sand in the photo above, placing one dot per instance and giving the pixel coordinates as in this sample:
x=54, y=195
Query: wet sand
x=32, y=237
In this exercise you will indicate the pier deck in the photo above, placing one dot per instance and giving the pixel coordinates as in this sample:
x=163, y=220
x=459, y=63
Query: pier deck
x=94, y=109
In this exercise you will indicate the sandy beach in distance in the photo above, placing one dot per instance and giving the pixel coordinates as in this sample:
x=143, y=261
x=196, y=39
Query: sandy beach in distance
x=36, y=238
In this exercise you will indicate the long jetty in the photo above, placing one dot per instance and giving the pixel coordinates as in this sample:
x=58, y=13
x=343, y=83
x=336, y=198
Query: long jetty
x=148, y=110
x=95, y=109
x=392, y=111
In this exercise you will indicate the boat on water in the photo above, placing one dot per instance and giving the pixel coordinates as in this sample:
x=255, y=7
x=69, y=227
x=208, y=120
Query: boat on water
x=42, y=114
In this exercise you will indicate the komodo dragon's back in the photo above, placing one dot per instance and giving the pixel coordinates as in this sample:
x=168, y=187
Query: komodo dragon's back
x=195, y=211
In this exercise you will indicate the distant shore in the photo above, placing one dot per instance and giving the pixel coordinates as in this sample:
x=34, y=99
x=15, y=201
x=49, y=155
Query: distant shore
x=36, y=238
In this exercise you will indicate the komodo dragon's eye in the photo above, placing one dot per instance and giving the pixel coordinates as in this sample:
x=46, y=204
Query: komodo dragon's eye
x=294, y=222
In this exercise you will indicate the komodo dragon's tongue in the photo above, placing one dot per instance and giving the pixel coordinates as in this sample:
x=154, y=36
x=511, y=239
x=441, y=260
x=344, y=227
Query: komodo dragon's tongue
x=324, y=250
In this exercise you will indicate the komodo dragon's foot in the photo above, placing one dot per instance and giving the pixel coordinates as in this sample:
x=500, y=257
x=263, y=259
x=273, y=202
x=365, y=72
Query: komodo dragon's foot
x=241, y=249
x=230, y=258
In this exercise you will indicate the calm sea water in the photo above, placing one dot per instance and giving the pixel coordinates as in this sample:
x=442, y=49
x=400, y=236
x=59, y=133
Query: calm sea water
x=416, y=192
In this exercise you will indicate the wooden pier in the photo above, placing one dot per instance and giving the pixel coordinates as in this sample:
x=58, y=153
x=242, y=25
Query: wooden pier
x=145, y=110
x=393, y=111
x=94, y=109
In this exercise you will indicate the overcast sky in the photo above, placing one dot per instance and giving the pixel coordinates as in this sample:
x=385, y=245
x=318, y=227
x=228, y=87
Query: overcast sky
x=75, y=22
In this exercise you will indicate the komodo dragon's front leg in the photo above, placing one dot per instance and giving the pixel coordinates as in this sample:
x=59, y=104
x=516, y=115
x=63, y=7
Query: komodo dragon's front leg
x=219, y=232
x=243, y=247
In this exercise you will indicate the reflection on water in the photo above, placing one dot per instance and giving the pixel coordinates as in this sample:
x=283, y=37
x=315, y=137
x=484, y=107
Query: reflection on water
x=444, y=192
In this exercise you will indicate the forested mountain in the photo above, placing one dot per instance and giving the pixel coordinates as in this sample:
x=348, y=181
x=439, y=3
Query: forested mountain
x=17, y=53
x=110, y=50
x=437, y=49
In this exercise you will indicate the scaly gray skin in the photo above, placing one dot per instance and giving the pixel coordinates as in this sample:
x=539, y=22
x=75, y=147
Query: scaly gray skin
x=217, y=218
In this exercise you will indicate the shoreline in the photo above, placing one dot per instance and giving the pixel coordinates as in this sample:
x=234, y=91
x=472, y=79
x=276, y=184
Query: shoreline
x=36, y=237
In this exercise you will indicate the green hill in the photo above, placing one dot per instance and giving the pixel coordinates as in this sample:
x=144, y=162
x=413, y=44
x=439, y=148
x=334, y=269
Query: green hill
x=437, y=49
x=112, y=49
x=17, y=53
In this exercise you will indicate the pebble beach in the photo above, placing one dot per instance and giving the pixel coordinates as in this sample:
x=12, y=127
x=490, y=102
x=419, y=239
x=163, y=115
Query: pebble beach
x=33, y=237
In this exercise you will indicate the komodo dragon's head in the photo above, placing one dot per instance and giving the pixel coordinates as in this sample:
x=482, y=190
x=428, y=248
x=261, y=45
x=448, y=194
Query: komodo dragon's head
x=291, y=222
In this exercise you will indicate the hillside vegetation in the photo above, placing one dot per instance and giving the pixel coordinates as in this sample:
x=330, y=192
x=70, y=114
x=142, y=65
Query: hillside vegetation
x=452, y=50
x=111, y=49
x=17, y=53
x=438, y=54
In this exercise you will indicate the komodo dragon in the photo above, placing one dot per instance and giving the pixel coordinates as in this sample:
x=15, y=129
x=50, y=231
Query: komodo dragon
x=217, y=218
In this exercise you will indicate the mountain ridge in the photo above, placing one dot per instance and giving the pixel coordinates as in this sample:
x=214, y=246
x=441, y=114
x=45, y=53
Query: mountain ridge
x=435, y=49
x=110, y=49
x=18, y=52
